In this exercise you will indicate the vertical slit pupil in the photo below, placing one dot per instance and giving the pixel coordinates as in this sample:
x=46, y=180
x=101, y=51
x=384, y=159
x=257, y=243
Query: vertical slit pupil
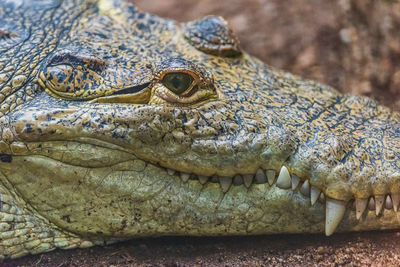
x=176, y=81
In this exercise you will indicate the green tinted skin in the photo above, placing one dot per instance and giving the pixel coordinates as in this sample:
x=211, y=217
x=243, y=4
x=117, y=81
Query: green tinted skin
x=117, y=124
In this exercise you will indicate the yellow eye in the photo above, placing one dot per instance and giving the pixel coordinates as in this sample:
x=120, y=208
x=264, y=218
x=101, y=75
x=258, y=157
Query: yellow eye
x=177, y=82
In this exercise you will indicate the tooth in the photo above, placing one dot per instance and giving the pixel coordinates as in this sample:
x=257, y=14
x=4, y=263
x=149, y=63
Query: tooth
x=271, y=176
x=260, y=177
x=305, y=188
x=225, y=183
x=388, y=203
x=361, y=205
x=379, y=201
x=371, y=203
x=238, y=180
x=284, y=181
x=314, y=194
x=248, y=179
x=170, y=172
x=295, y=181
x=334, y=213
x=185, y=176
x=203, y=179
x=395, y=201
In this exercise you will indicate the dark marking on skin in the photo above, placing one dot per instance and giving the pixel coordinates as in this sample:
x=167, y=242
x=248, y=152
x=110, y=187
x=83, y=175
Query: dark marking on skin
x=123, y=224
x=5, y=34
x=66, y=218
x=29, y=128
x=6, y=158
x=61, y=76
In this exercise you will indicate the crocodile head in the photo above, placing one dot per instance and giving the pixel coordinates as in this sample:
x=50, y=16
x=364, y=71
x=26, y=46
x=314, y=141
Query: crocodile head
x=116, y=124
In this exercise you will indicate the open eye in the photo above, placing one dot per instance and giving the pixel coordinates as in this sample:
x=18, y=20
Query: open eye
x=181, y=82
x=177, y=82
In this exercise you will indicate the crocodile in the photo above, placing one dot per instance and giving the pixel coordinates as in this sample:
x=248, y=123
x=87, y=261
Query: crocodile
x=116, y=124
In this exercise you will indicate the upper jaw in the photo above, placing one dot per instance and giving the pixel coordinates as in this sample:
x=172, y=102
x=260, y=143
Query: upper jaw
x=151, y=135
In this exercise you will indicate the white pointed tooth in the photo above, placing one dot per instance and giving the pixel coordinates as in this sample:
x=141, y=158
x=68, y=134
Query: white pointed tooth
x=379, y=201
x=185, y=176
x=305, y=189
x=260, y=177
x=333, y=214
x=237, y=180
x=247, y=179
x=371, y=203
x=314, y=194
x=388, y=203
x=225, y=183
x=295, y=181
x=284, y=180
x=361, y=205
x=271, y=176
x=203, y=179
x=170, y=171
x=395, y=201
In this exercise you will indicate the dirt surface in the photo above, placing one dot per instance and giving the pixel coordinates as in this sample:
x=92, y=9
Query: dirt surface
x=353, y=46
x=374, y=248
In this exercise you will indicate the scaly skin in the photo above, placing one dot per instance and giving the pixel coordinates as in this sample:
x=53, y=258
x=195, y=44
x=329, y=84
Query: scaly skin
x=96, y=147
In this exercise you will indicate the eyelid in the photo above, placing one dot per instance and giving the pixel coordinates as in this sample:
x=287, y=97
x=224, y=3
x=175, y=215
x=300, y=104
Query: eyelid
x=196, y=78
x=67, y=58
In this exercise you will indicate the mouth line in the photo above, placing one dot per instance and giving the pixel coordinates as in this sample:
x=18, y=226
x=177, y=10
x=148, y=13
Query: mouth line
x=335, y=209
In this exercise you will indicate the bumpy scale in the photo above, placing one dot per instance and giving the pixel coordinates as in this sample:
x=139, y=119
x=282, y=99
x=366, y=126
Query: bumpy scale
x=117, y=124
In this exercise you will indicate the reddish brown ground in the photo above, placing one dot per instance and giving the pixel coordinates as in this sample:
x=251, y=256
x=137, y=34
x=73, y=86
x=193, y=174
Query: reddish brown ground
x=351, y=45
x=374, y=248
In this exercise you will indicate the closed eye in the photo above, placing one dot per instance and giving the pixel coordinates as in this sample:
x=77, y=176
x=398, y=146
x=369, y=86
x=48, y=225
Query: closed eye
x=84, y=60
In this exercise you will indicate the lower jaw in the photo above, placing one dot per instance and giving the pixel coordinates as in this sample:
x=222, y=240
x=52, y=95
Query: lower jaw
x=133, y=199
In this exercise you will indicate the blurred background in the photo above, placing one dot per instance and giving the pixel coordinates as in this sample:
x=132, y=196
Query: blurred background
x=352, y=45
